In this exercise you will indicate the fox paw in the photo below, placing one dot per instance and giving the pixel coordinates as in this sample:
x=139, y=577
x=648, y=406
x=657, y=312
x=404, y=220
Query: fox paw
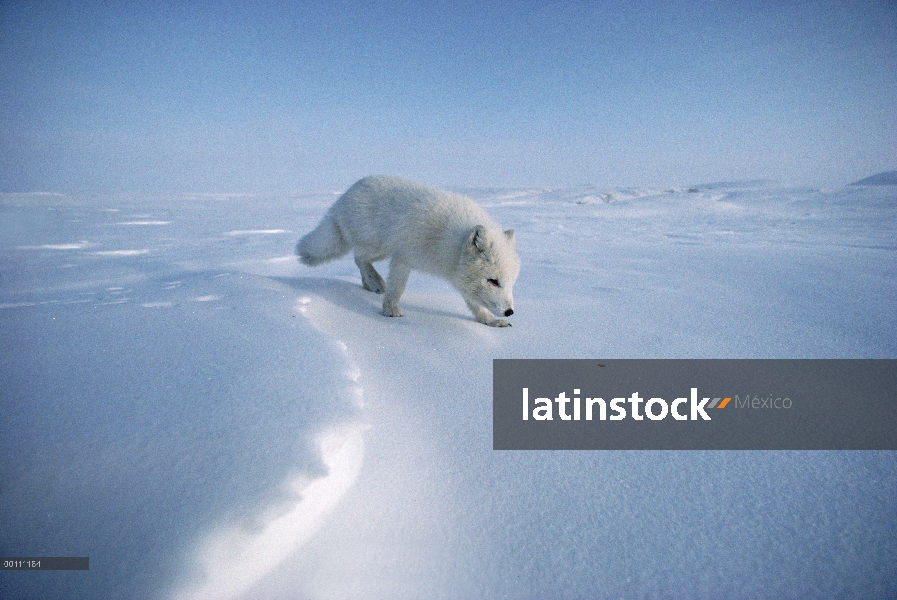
x=498, y=323
x=376, y=287
x=487, y=319
x=391, y=311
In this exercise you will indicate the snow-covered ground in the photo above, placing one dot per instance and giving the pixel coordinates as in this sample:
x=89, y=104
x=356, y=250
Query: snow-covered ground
x=204, y=417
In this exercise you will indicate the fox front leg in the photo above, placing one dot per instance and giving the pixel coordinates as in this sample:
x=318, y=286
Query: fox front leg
x=482, y=315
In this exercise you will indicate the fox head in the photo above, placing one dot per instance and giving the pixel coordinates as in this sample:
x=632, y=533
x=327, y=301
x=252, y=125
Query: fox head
x=489, y=267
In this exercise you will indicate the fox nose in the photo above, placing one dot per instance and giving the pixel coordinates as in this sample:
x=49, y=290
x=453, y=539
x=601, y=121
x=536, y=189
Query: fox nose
x=509, y=312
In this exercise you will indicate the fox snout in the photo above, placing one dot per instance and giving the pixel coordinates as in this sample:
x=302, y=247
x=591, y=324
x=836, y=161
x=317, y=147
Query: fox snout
x=509, y=312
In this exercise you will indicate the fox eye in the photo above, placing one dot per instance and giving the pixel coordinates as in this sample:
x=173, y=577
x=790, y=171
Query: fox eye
x=493, y=282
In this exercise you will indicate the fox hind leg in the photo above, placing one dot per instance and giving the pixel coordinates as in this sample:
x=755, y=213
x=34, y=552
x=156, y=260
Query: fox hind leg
x=396, y=280
x=370, y=278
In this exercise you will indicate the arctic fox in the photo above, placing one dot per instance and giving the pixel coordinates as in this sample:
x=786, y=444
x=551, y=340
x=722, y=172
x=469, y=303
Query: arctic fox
x=424, y=229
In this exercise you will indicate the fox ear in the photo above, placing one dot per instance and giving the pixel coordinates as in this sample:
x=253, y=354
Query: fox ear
x=477, y=242
x=510, y=235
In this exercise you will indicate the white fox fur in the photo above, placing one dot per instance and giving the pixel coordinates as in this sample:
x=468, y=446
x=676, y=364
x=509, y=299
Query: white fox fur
x=423, y=229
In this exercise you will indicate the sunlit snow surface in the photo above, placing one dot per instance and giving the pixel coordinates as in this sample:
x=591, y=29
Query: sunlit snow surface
x=204, y=417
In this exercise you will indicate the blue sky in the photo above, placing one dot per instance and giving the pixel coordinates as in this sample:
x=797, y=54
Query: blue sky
x=301, y=96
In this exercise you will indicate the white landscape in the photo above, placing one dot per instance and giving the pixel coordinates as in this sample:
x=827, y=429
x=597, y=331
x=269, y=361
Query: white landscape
x=206, y=418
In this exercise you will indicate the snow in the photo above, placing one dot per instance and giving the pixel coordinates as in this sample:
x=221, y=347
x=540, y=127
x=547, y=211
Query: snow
x=204, y=417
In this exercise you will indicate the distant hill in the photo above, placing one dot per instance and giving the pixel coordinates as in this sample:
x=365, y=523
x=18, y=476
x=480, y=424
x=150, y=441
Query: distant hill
x=886, y=178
